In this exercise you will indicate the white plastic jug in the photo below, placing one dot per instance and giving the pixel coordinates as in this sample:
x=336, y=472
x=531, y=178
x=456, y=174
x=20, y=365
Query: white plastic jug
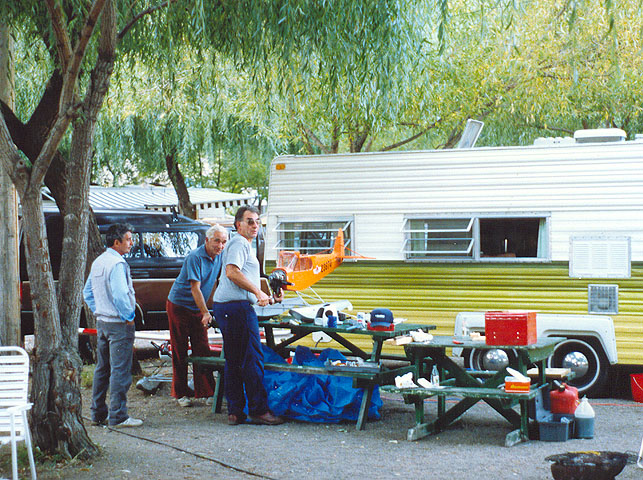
x=584, y=416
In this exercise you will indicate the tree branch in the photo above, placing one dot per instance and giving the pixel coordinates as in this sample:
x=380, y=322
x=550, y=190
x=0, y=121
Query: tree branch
x=410, y=139
x=63, y=44
x=314, y=139
x=140, y=15
x=70, y=77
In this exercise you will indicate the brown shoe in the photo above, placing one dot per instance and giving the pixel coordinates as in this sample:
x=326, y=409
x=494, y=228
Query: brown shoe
x=267, y=419
x=236, y=419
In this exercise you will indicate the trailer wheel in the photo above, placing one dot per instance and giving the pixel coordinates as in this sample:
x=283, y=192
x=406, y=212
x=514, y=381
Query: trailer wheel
x=483, y=359
x=587, y=360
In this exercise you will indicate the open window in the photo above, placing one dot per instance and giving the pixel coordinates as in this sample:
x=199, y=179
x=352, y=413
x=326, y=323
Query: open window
x=478, y=238
x=312, y=236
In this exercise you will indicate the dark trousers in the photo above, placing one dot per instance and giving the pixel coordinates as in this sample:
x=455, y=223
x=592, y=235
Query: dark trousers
x=244, y=358
x=186, y=325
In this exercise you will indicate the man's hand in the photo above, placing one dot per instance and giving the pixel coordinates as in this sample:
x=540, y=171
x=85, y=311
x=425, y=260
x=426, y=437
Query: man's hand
x=206, y=318
x=279, y=296
x=263, y=299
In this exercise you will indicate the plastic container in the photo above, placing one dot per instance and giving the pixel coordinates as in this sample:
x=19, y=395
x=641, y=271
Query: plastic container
x=636, y=380
x=435, y=376
x=584, y=416
x=555, y=429
x=563, y=398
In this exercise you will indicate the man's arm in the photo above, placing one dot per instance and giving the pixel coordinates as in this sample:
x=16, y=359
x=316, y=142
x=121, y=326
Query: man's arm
x=195, y=288
x=120, y=293
x=88, y=295
x=237, y=277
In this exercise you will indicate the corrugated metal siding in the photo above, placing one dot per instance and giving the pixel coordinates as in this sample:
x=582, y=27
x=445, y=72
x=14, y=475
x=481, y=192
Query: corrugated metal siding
x=435, y=293
x=586, y=188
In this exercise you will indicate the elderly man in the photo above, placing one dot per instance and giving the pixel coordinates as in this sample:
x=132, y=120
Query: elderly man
x=189, y=317
x=239, y=288
x=110, y=295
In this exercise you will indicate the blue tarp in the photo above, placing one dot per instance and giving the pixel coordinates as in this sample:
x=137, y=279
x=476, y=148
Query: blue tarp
x=315, y=398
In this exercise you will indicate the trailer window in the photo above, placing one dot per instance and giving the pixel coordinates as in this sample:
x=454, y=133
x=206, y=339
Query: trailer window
x=311, y=237
x=477, y=238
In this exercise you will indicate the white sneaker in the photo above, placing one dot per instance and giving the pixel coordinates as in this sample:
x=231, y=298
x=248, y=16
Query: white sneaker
x=130, y=422
x=185, y=401
x=209, y=401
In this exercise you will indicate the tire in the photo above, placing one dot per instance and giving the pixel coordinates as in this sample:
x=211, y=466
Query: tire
x=587, y=359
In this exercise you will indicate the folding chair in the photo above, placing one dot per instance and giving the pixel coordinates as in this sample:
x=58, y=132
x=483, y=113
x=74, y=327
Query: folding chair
x=14, y=381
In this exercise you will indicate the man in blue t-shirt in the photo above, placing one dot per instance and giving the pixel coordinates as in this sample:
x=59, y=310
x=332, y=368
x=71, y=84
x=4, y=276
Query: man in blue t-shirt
x=188, y=315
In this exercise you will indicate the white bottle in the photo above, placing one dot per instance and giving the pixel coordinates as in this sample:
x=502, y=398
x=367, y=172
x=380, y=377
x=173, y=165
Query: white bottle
x=435, y=377
x=584, y=416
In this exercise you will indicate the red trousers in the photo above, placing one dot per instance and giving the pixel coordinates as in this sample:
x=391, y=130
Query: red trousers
x=186, y=325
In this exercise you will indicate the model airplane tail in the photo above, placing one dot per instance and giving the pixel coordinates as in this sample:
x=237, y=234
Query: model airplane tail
x=295, y=272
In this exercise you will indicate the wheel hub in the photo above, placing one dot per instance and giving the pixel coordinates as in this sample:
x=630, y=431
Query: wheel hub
x=577, y=362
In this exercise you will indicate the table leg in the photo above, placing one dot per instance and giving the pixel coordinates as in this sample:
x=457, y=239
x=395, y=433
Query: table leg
x=363, y=409
x=217, y=404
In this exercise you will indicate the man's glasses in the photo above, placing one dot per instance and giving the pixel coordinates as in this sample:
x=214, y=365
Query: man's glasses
x=253, y=221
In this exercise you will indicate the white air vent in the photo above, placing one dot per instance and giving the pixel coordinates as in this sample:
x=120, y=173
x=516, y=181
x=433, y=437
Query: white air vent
x=599, y=135
x=602, y=299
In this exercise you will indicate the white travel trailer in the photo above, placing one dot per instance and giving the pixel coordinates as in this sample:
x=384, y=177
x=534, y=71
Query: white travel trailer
x=556, y=227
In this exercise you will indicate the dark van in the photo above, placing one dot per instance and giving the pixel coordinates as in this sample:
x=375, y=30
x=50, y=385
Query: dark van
x=161, y=242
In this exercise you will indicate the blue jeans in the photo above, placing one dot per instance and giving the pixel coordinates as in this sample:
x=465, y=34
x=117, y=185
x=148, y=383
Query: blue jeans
x=114, y=351
x=244, y=358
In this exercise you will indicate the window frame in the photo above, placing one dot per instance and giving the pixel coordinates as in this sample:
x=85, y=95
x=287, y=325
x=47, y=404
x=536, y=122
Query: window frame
x=474, y=219
x=347, y=228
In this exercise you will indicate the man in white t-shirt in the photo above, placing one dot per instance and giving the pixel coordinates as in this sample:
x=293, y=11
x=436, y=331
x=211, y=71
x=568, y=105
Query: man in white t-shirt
x=239, y=288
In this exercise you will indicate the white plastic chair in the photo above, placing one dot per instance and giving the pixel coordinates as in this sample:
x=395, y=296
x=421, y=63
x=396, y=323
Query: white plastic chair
x=14, y=381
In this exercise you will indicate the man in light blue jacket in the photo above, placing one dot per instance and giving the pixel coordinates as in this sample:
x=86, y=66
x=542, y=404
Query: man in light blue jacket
x=110, y=295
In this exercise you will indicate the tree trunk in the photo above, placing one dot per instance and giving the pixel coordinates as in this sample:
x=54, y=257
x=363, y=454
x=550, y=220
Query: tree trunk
x=9, y=277
x=56, y=415
x=186, y=207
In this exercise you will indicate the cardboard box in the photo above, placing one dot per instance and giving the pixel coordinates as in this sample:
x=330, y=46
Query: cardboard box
x=510, y=328
x=513, y=385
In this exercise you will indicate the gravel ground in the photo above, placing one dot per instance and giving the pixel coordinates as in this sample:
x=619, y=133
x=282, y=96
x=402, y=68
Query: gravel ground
x=193, y=443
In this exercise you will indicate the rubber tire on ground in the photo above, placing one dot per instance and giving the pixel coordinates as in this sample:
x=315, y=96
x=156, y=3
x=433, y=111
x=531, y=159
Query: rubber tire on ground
x=591, y=384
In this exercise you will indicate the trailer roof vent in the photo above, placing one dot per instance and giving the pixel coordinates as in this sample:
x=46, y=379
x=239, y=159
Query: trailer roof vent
x=598, y=135
x=602, y=299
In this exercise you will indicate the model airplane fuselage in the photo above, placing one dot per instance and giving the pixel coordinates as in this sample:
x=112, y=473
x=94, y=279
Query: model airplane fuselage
x=296, y=271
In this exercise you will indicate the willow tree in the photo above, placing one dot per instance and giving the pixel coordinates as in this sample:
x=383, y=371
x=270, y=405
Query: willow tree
x=83, y=39
x=156, y=127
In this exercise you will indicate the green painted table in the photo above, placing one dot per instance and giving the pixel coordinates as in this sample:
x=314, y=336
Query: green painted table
x=457, y=381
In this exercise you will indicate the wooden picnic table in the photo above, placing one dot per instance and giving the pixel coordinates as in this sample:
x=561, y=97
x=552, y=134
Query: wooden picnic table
x=455, y=380
x=367, y=379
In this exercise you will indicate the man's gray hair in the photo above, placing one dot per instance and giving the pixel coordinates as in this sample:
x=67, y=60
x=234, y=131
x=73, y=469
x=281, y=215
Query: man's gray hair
x=215, y=228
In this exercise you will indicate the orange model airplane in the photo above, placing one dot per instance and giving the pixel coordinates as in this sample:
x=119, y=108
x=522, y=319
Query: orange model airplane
x=295, y=272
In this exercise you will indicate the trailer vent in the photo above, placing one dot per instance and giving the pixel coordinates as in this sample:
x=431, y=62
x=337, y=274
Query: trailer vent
x=602, y=299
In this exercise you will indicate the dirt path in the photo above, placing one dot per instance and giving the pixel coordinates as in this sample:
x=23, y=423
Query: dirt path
x=193, y=443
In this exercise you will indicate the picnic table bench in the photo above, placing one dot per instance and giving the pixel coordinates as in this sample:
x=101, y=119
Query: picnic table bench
x=473, y=387
x=367, y=379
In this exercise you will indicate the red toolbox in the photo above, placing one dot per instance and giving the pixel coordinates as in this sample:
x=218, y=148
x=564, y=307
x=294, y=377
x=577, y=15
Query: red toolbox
x=510, y=328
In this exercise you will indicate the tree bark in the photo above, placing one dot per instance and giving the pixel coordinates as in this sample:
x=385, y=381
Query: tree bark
x=186, y=207
x=9, y=277
x=56, y=415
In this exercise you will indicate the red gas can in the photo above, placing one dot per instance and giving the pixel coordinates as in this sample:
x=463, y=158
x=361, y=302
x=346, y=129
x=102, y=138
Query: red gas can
x=564, y=398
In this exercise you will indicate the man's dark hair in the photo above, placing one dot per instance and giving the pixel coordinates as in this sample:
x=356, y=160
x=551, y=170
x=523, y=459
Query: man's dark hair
x=246, y=208
x=117, y=231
